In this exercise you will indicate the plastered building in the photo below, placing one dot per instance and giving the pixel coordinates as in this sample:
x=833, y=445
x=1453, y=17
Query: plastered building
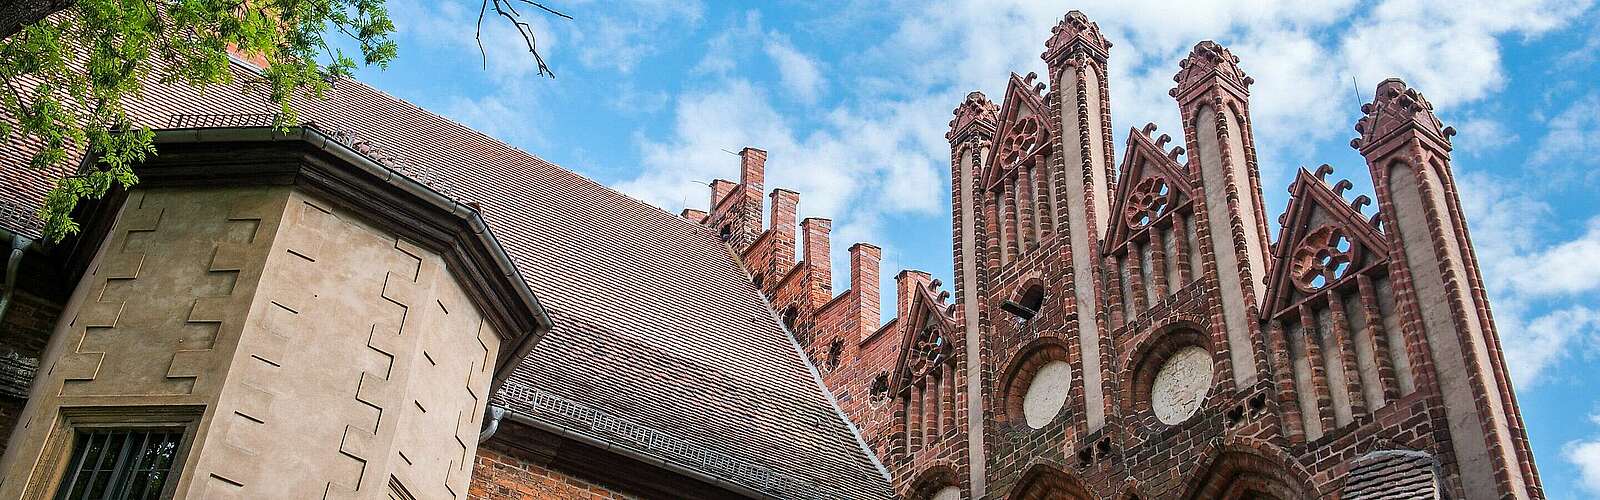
x=382, y=303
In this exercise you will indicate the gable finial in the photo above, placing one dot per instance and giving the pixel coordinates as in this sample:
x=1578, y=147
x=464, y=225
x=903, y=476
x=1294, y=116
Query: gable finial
x=1209, y=60
x=1343, y=185
x=1323, y=170
x=1396, y=106
x=1360, y=202
x=1075, y=33
x=976, y=110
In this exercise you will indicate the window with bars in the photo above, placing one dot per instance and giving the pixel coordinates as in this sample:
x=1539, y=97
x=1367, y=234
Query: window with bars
x=123, y=464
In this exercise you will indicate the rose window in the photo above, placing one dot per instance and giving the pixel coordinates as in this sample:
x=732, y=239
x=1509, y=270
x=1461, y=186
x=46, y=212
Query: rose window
x=1324, y=256
x=1149, y=201
x=929, y=350
x=1025, y=136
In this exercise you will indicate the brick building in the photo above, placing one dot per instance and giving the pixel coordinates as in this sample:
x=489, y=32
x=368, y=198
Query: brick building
x=382, y=303
x=1131, y=330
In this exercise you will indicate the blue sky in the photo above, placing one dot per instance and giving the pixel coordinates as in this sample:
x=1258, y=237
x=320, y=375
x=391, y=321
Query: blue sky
x=852, y=100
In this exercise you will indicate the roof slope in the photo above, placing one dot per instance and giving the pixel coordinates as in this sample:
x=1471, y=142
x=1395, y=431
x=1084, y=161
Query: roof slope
x=657, y=328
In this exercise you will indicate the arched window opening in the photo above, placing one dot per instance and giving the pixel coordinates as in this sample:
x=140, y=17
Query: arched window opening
x=1048, y=483
x=879, y=390
x=1174, y=375
x=1037, y=387
x=1027, y=304
x=835, y=353
x=1249, y=474
x=759, y=281
x=726, y=232
x=791, y=318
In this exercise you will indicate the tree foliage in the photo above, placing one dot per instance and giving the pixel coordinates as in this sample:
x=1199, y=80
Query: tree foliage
x=64, y=79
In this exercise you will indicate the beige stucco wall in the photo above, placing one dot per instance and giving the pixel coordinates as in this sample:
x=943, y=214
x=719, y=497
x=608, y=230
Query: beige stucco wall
x=324, y=356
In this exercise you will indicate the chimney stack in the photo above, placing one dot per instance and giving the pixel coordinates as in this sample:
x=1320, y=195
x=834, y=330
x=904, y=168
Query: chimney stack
x=784, y=205
x=906, y=283
x=815, y=253
x=864, y=259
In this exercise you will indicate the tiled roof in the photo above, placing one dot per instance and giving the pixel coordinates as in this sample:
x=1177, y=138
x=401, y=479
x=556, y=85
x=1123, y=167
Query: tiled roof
x=1393, y=475
x=656, y=326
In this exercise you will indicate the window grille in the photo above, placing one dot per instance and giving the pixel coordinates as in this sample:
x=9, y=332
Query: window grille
x=122, y=464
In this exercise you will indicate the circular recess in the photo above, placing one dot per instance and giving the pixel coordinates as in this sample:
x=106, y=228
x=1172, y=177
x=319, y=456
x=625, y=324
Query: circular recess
x=1181, y=384
x=1047, y=393
x=948, y=493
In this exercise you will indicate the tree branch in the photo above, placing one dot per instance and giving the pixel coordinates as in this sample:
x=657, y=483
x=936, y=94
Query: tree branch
x=508, y=10
x=18, y=14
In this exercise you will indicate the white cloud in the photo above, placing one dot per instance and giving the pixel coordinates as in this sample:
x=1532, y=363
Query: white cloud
x=619, y=34
x=1480, y=135
x=1525, y=274
x=801, y=75
x=1532, y=347
x=1571, y=267
x=1573, y=135
x=724, y=50
x=1586, y=456
x=449, y=24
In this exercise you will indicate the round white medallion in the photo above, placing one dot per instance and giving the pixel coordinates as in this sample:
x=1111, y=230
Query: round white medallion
x=1047, y=393
x=1181, y=384
x=948, y=493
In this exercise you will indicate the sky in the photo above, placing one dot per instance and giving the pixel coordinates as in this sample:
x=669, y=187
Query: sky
x=852, y=99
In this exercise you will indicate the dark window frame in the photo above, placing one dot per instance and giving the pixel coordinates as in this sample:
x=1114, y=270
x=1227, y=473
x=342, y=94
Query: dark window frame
x=122, y=461
x=62, y=442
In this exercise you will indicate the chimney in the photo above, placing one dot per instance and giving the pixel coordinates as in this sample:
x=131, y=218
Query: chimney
x=815, y=254
x=864, y=259
x=906, y=283
x=719, y=190
x=695, y=216
x=254, y=59
x=752, y=168
x=784, y=203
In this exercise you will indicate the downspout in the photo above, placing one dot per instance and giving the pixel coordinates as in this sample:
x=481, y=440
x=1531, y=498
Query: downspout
x=495, y=414
x=19, y=247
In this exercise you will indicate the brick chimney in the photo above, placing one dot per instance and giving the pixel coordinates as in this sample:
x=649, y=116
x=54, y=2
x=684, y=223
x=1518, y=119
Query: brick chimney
x=254, y=60
x=906, y=283
x=784, y=203
x=864, y=259
x=719, y=190
x=815, y=254
x=752, y=168
x=695, y=216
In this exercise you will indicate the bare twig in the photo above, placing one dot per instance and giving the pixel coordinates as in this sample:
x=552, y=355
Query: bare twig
x=508, y=10
x=479, y=35
x=546, y=9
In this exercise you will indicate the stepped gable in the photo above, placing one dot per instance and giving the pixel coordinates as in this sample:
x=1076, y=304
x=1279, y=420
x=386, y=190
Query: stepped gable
x=658, y=332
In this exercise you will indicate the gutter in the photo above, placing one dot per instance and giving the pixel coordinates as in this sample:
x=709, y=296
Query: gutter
x=474, y=220
x=568, y=433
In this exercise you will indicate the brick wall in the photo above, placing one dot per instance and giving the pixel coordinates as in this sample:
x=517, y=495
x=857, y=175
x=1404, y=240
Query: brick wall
x=497, y=475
